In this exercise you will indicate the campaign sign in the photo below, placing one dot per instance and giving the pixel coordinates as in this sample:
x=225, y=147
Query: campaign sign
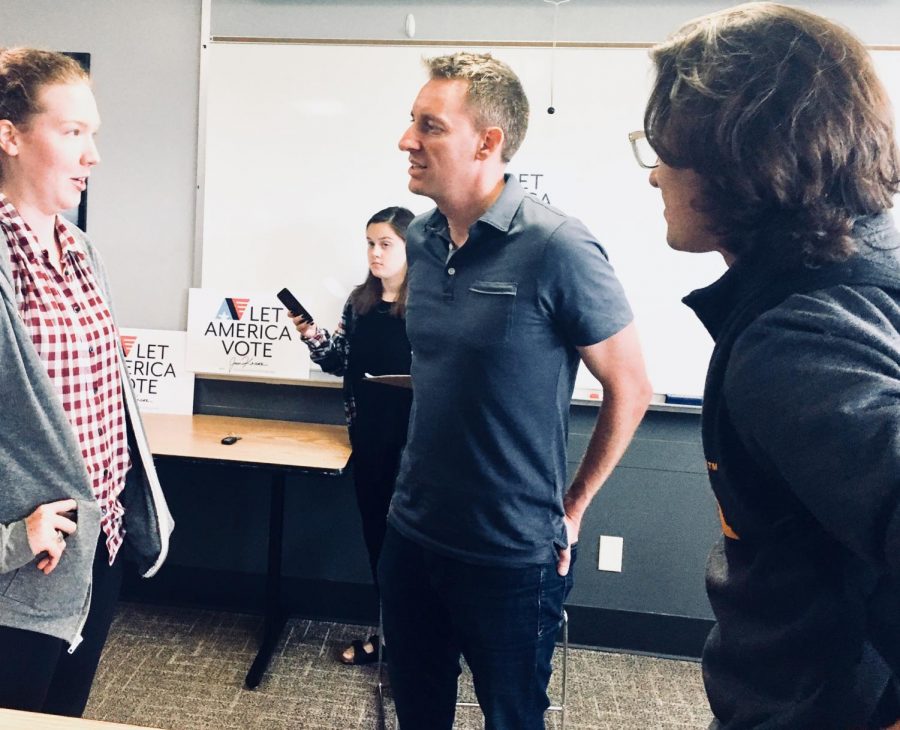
x=155, y=361
x=246, y=334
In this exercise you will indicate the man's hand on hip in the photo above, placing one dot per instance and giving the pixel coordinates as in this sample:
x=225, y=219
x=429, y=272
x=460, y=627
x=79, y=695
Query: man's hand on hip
x=565, y=556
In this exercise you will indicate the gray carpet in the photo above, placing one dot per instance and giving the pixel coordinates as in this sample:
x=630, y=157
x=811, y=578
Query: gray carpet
x=181, y=669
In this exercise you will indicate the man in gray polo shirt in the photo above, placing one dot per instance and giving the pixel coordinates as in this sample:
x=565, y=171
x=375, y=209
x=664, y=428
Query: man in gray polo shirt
x=505, y=295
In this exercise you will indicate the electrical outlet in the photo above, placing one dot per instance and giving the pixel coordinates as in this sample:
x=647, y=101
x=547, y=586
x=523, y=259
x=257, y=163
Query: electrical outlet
x=610, y=553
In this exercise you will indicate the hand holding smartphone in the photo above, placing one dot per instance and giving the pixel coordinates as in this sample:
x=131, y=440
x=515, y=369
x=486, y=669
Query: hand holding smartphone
x=293, y=304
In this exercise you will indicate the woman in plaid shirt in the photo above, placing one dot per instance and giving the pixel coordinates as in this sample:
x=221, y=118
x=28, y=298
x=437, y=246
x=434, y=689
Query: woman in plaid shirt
x=76, y=472
x=371, y=339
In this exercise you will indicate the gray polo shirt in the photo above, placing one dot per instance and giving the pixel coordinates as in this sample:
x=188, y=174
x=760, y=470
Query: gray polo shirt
x=493, y=330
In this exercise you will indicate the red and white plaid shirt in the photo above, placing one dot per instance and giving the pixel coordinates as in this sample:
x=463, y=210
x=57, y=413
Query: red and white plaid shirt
x=75, y=336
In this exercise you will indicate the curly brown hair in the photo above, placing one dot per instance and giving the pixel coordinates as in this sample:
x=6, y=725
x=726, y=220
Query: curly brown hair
x=781, y=113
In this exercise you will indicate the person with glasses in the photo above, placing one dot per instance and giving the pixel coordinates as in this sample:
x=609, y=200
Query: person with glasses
x=771, y=140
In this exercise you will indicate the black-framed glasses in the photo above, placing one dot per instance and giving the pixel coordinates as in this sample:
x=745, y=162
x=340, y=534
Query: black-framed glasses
x=644, y=154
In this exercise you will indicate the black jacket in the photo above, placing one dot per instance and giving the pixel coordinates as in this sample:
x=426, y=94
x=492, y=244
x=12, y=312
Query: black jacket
x=801, y=431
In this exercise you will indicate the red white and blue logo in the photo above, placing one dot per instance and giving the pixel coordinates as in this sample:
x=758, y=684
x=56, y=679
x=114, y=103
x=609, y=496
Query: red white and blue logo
x=232, y=308
x=127, y=343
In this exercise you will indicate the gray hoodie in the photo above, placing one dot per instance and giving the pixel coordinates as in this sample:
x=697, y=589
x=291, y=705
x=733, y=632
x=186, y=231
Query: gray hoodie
x=40, y=461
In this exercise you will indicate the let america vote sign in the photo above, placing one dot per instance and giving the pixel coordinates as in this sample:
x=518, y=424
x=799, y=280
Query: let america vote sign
x=246, y=334
x=155, y=361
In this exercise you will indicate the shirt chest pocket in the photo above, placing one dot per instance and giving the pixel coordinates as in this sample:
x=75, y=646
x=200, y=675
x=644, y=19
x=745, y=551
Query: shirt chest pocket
x=489, y=312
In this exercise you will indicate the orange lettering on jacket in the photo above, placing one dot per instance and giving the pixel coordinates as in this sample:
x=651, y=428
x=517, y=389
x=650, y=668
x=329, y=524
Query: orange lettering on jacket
x=726, y=528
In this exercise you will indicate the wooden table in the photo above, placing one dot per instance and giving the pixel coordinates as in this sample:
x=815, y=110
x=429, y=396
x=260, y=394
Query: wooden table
x=282, y=448
x=16, y=720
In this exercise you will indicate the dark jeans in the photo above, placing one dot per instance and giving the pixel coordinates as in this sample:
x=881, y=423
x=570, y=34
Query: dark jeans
x=504, y=621
x=38, y=674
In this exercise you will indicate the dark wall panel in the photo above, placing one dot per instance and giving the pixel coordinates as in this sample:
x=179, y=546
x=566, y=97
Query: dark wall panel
x=658, y=500
x=668, y=522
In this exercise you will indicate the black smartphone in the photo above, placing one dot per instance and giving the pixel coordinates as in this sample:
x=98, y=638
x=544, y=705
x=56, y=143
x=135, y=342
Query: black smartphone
x=293, y=304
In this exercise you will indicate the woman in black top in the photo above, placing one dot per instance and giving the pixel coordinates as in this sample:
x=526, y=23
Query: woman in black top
x=371, y=339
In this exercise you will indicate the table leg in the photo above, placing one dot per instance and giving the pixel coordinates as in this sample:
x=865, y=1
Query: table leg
x=275, y=618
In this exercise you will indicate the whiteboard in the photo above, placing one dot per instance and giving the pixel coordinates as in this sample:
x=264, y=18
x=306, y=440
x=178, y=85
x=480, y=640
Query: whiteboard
x=301, y=148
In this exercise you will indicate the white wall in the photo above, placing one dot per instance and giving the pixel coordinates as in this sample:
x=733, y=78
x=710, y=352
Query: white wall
x=875, y=21
x=145, y=66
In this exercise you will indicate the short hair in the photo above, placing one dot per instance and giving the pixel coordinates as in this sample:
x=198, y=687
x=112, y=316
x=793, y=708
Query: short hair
x=782, y=115
x=495, y=94
x=24, y=72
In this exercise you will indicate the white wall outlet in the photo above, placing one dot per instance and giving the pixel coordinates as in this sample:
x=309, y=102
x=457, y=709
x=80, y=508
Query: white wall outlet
x=610, y=553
